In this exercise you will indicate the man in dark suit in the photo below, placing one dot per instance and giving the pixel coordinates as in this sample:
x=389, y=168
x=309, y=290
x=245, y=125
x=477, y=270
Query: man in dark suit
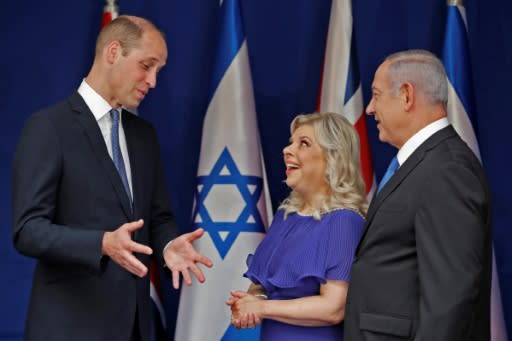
x=89, y=199
x=422, y=269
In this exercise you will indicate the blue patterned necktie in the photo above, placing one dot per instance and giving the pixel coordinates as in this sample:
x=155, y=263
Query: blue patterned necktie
x=117, y=157
x=393, y=166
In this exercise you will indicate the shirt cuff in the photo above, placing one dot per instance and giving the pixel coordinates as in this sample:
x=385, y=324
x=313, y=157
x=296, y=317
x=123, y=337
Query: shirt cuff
x=165, y=249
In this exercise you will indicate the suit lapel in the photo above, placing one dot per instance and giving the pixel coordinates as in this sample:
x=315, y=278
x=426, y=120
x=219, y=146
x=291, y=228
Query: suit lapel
x=97, y=142
x=136, y=156
x=409, y=165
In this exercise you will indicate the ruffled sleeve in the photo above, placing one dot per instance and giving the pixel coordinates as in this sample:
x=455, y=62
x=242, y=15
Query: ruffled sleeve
x=345, y=230
x=300, y=249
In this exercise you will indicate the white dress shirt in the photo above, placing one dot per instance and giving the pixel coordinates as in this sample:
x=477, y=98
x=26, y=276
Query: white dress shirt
x=101, y=111
x=421, y=136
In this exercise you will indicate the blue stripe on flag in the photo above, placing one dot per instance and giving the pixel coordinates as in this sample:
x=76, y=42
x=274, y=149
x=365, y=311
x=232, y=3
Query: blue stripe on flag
x=231, y=38
x=353, y=78
x=456, y=59
x=233, y=334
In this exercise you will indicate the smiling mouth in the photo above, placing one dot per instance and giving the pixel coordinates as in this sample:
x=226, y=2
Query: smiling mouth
x=290, y=168
x=291, y=165
x=289, y=172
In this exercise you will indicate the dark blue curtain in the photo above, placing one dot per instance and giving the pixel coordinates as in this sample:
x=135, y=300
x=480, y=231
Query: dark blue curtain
x=48, y=46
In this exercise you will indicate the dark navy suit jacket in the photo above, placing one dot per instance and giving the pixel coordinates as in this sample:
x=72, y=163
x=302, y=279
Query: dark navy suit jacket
x=66, y=194
x=422, y=269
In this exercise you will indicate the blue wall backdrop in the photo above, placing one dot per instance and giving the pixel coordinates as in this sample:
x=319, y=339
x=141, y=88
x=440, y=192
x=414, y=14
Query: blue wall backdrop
x=47, y=48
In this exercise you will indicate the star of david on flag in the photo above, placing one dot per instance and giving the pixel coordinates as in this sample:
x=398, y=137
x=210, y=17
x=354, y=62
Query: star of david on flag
x=226, y=186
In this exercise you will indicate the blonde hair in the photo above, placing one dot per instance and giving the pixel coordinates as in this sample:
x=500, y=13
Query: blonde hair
x=340, y=144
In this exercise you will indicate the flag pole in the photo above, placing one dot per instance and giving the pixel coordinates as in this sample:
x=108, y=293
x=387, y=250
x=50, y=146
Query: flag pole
x=110, y=12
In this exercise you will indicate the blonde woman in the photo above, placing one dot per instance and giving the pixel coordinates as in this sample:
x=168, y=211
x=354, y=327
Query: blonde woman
x=300, y=271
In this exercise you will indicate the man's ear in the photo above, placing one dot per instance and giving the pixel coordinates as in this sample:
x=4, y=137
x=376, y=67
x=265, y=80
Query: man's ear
x=407, y=94
x=113, y=51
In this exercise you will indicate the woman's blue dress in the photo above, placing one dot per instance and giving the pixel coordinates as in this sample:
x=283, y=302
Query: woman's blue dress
x=297, y=255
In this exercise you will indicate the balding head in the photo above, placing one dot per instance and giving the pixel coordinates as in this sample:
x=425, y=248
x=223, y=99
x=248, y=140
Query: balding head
x=423, y=70
x=126, y=29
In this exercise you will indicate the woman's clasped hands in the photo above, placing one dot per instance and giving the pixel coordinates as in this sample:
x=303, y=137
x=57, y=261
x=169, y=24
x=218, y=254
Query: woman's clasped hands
x=246, y=309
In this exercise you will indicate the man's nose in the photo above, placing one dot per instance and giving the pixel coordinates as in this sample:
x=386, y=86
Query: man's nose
x=151, y=79
x=370, y=110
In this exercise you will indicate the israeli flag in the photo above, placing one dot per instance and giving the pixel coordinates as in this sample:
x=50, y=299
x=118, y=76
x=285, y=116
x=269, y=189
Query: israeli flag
x=461, y=113
x=458, y=69
x=232, y=201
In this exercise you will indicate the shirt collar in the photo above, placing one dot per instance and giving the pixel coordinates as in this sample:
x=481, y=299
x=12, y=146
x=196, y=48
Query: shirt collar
x=421, y=136
x=97, y=104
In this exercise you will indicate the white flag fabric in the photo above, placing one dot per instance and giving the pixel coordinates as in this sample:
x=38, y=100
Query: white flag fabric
x=341, y=90
x=461, y=112
x=232, y=202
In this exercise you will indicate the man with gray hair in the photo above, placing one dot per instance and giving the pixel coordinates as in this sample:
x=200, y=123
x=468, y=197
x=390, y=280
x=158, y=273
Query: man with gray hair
x=422, y=269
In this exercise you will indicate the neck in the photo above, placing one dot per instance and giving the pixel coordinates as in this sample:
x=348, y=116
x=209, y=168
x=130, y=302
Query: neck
x=96, y=80
x=313, y=204
x=421, y=119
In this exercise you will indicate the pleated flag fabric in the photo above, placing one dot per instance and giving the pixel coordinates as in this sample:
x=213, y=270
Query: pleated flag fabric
x=232, y=202
x=462, y=115
x=341, y=90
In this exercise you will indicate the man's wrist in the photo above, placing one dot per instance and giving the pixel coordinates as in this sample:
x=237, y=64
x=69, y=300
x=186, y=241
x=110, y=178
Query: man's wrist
x=104, y=242
x=165, y=249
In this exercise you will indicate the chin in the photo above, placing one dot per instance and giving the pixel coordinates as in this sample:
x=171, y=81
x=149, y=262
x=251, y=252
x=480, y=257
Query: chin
x=289, y=183
x=134, y=105
x=382, y=137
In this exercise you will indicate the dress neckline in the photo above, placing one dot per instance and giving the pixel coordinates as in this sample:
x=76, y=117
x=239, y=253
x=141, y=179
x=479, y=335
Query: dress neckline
x=302, y=214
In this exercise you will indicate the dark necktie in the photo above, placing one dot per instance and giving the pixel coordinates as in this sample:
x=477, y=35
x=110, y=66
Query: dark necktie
x=117, y=156
x=393, y=166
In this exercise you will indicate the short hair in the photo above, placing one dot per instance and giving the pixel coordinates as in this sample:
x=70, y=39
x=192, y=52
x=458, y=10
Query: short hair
x=423, y=70
x=128, y=30
x=340, y=144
